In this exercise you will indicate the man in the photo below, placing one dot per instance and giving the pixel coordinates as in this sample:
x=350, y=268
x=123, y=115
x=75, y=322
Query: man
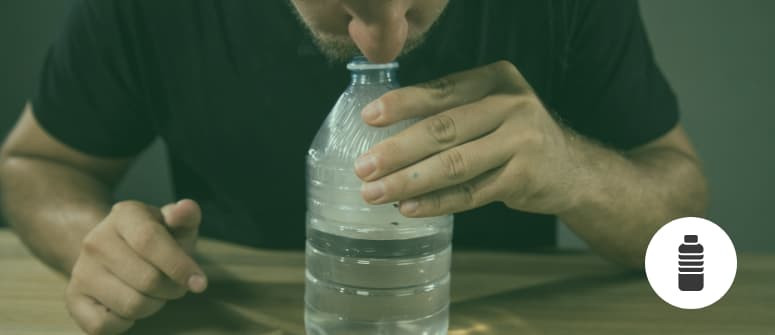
x=534, y=110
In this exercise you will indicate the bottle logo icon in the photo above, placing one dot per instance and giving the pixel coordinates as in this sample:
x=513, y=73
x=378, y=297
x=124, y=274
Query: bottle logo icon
x=690, y=265
x=707, y=263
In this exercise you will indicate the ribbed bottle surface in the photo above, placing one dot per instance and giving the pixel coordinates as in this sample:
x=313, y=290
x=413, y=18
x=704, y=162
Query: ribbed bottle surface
x=369, y=270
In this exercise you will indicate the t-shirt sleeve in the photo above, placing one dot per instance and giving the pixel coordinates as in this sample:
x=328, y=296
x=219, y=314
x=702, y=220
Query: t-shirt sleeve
x=89, y=95
x=613, y=90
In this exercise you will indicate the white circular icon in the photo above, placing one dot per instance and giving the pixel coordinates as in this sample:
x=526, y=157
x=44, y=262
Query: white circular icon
x=691, y=263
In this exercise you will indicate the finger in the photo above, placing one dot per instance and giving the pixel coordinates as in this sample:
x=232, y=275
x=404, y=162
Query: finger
x=119, y=298
x=432, y=135
x=183, y=219
x=441, y=94
x=149, y=239
x=450, y=167
x=475, y=193
x=120, y=260
x=183, y=216
x=94, y=318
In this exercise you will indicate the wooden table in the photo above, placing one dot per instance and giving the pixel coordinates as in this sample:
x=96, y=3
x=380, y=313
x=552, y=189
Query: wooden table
x=261, y=292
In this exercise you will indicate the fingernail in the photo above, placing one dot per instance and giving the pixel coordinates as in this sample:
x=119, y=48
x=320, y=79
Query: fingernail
x=197, y=283
x=372, y=111
x=409, y=206
x=373, y=191
x=365, y=165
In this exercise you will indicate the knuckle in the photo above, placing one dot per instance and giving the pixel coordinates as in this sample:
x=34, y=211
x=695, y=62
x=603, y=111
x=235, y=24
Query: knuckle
x=468, y=191
x=440, y=88
x=133, y=307
x=442, y=129
x=127, y=206
x=75, y=284
x=520, y=182
x=506, y=73
x=91, y=244
x=521, y=103
x=534, y=103
x=454, y=164
x=531, y=139
x=504, y=69
x=504, y=66
x=151, y=280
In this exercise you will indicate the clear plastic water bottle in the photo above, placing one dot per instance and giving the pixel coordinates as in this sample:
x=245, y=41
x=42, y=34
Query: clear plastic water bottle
x=369, y=270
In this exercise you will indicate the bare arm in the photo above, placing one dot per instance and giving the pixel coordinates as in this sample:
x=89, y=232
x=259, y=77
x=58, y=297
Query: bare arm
x=124, y=260
x=53, y=195
x=625, y=197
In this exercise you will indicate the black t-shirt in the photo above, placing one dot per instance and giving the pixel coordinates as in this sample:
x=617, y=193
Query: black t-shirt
x=237, y=90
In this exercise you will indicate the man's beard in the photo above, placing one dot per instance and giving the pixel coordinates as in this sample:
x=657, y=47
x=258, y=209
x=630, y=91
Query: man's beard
x=342, y=49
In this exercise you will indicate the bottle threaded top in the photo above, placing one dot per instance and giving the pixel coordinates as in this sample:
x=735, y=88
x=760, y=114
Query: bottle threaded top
x=360, y=63
x=364, y=72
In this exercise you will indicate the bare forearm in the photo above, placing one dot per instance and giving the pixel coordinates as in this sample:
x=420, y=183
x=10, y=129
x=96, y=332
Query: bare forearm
x=51, y=206
x=625, y=198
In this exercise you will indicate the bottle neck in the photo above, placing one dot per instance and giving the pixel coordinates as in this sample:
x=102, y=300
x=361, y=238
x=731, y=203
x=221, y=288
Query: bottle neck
x=372, y=77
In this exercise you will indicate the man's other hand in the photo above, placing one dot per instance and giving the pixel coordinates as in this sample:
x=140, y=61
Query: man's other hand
x=132, y=262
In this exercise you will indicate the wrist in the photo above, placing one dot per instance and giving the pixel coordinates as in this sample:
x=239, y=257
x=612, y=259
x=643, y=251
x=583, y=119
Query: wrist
x=592, y=180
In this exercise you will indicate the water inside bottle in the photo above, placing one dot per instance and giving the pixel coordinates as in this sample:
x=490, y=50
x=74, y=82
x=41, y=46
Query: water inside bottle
x=371, y=270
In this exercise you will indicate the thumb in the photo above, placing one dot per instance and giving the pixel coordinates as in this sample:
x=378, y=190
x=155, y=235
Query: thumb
x=183, y=219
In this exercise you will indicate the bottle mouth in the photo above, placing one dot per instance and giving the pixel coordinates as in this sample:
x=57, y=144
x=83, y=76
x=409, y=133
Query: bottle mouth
x=360, y=63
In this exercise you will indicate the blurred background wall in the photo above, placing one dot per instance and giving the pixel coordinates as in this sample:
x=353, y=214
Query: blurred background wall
x=27, y=27
x=717, y=54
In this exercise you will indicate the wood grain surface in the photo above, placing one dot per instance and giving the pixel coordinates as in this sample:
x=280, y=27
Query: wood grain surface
x=261, y=292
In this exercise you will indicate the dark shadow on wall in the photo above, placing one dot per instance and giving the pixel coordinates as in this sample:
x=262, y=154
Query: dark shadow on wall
x=26, y=30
